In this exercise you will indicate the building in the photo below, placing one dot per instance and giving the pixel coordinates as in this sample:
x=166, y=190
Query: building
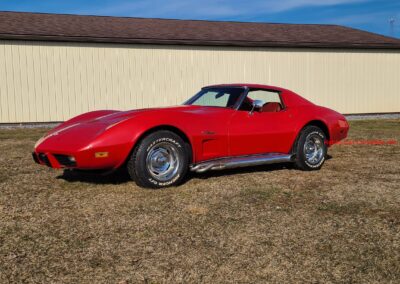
x=53, y=67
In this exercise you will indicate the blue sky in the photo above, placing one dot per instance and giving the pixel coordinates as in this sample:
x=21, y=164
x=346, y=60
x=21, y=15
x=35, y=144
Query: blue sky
x=371, y=15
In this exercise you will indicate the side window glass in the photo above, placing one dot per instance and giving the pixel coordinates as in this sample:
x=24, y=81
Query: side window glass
x=271, y=100
x=264, y=96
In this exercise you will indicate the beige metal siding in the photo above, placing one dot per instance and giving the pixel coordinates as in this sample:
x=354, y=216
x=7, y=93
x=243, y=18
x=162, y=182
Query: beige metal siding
x=48, y=81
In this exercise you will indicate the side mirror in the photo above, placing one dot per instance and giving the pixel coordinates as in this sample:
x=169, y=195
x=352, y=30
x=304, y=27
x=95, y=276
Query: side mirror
x=256, y=105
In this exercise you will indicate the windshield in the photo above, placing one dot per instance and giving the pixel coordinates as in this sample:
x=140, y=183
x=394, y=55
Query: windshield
x=217, y=97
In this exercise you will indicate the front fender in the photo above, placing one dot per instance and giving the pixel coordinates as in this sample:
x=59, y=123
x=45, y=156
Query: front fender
x=126, y=134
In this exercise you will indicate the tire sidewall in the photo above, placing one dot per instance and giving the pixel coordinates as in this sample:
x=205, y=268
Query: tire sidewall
x=142, y=172
x=301, y=157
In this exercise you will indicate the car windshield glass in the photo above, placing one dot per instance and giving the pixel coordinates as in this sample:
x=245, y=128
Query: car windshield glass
x=216, y=97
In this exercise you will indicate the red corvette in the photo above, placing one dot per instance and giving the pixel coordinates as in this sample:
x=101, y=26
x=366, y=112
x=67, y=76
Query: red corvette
x=222, y=126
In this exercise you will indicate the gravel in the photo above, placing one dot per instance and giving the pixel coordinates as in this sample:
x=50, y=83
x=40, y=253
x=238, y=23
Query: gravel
x=373, y=116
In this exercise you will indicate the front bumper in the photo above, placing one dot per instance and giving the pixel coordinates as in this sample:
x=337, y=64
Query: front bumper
x=106, y=158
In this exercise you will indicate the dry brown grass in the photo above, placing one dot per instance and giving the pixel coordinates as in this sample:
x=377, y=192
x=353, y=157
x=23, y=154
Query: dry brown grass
x=340, y=224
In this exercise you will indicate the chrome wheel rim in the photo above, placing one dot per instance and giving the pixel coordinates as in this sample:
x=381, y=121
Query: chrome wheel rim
x=314, y=149
x=162, y=161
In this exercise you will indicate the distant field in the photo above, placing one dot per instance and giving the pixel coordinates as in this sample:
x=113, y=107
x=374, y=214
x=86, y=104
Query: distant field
x=340, y=224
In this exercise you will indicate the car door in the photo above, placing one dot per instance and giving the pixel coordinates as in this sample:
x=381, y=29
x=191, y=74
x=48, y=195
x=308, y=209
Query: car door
x=256, y=132
x=210, y=121
x=210, y=133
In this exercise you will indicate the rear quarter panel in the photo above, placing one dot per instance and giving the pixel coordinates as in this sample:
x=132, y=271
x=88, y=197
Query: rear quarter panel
x=305, y=112
x=334, y=121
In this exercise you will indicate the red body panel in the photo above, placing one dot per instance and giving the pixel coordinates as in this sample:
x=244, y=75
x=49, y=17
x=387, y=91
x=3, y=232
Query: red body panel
x=212, y=132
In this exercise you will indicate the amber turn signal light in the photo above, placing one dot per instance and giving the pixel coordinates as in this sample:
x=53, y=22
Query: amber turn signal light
x=101, y=154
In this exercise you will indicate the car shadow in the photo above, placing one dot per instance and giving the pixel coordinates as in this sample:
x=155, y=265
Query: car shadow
x=121, y=176
x=96, y=177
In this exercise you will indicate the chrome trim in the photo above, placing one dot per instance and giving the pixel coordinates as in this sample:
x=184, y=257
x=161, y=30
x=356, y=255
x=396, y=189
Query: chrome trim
x=257, y=104
x=242, y=161
x=314, y=148
x=162, y=161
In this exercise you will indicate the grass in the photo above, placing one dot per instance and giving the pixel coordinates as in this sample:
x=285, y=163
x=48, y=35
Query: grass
x=263, y=224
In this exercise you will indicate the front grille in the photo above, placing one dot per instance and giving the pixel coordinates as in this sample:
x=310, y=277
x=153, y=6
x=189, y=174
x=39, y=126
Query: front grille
x=43, y=158
x=64, y=160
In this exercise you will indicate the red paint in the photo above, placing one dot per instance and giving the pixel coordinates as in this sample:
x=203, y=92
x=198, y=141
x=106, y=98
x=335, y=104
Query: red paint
x=212, y=131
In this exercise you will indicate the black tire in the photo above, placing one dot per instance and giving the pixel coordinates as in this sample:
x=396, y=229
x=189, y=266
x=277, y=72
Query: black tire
x=149, y=158
x=315, y=136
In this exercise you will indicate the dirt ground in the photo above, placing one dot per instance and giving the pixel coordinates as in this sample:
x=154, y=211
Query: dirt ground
x=265, y=224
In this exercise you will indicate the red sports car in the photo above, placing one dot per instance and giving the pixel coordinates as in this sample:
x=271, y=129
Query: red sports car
x=222, y=126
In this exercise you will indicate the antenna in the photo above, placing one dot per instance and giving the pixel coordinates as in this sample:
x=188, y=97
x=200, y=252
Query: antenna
x=392, y=21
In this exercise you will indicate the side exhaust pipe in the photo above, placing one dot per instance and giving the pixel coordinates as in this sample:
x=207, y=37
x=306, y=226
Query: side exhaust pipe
x=242, y=161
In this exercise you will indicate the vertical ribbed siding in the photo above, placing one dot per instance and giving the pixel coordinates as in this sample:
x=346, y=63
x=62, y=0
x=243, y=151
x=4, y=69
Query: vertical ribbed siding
x=47, y=81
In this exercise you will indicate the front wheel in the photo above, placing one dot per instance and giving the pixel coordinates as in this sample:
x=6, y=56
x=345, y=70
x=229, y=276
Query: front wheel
x=310, y=149
x=160, y=160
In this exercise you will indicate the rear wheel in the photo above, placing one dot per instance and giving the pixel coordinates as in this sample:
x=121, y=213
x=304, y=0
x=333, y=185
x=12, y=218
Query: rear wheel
x=310, y=149
x=160, y=160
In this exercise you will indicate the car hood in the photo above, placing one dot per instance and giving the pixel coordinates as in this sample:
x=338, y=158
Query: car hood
x=122, y=115
x=80, y=132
